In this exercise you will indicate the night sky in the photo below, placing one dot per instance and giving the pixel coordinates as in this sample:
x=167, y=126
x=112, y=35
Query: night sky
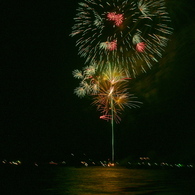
x=41, y=118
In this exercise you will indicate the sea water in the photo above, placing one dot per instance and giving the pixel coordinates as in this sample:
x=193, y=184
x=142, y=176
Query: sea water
x=54, y=180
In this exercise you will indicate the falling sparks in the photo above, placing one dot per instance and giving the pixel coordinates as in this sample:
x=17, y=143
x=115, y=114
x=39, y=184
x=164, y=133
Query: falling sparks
x=109, y=45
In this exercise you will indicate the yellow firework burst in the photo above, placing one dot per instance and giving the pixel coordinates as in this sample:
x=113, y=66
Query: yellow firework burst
x=113, y=96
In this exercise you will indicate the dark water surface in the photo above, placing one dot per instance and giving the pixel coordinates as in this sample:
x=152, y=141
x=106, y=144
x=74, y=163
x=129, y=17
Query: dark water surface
x=95, y=180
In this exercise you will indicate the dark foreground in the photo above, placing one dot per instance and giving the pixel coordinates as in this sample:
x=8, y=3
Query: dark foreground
x=54, y=180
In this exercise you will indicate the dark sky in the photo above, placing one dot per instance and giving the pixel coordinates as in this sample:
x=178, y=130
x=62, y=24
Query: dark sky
x=42, y=118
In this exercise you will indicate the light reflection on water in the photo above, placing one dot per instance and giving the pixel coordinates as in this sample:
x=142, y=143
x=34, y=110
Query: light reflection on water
x=116, y=180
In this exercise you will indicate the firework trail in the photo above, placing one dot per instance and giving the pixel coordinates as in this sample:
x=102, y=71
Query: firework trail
x=109, y=90
x=130, y=33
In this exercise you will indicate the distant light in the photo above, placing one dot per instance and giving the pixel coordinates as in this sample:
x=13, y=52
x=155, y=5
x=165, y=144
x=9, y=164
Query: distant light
x=53, y=163
x=111, y=164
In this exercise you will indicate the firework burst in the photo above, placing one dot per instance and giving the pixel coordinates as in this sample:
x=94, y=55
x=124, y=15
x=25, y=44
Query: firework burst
x=89, y=81
x=130, y=33
x=113, y=95
x=109, y=90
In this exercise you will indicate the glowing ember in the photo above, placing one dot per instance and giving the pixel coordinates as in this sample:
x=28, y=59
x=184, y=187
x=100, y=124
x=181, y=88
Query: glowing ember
x=117, y=18
x=140, y=47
